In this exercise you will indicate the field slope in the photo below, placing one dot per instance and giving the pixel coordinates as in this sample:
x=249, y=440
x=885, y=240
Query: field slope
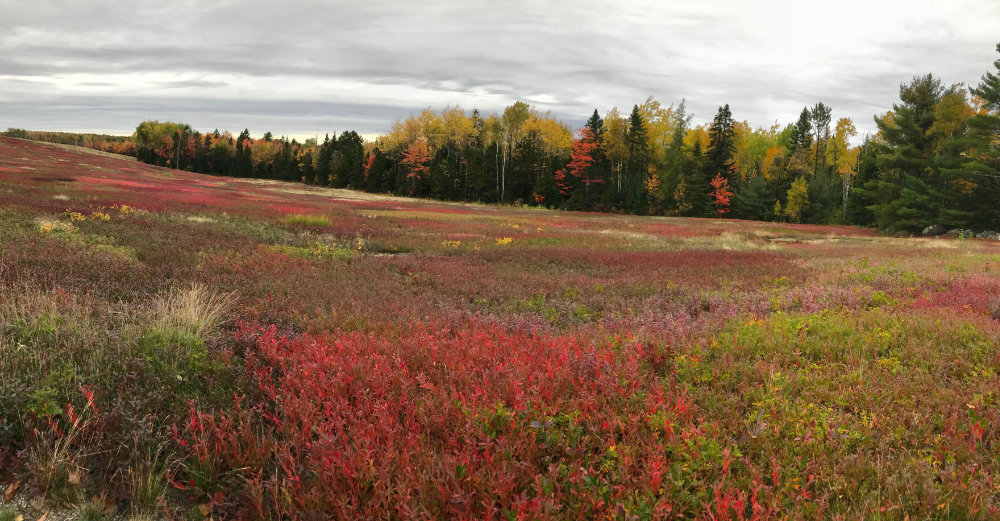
x=201, y=347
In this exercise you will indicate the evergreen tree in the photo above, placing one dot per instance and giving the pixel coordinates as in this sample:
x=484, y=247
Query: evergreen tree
x=474, y=155
x=719, y=157
x=321, y=169
x=241, y=165
x=802, y=131
x=350, y=171
x=601, y=168
x=905, y=192
x=546, y=192
x=201, y=146
x=989, y=88
x=596, y=125
x=721, y=142
x=676, y=161
x=858, y=211
x=820, y=115
x=753, y=200
x=980, y=154
x=638, y=163
x=824, y=198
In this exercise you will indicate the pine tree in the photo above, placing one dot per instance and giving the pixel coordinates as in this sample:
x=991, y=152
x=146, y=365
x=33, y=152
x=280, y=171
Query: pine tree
x=721, y=142
x=596, y=125
x=321, y=169
x=802, y=131
x=820, y=115
x=980, y=154
x=989, y=88
x=861, y=199
x=719, y=156
x=475, y=180
x=638, y=163
x=241, y=165
x=676, y=161
x=600, y=170
x=349, y=171
x=908, y=179
x=752, y=200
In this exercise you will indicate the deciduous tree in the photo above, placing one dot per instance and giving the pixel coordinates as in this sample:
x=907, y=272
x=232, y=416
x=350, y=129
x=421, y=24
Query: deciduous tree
x=798, y=199
x=581, y=160
x=720, y=195
x=416, y=158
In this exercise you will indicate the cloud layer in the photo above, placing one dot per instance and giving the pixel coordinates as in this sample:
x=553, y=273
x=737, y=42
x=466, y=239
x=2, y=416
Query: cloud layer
x=307, y=68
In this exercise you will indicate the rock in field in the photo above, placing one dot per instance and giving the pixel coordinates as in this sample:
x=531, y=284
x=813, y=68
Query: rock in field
x=933, y=230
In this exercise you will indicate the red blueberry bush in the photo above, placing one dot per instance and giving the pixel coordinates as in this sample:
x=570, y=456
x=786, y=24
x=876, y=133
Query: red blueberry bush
x=466, y=424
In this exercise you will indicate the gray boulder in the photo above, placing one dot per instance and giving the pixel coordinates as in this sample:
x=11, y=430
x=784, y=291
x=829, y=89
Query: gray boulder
x=934, y=230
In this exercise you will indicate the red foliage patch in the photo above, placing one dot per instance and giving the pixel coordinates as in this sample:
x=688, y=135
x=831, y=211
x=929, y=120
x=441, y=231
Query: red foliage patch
x=468, y=424
x=979, y=294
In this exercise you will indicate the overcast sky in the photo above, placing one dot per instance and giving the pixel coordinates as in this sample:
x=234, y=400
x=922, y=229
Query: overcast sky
x=302, y=68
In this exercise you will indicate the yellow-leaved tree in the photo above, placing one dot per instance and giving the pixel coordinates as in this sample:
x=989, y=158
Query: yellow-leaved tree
x=843, y=157
x=659, y=122
x=774, y=158
x=613, y=144
x=798, y=200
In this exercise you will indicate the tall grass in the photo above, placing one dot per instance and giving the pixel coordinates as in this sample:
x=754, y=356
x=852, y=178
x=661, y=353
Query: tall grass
x=193, y=309
x=307, y=220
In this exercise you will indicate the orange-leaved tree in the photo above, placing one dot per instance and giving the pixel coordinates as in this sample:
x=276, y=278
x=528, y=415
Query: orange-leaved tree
x=415, y=159
x=721, y=194
x=369, y=164
x=580, y=161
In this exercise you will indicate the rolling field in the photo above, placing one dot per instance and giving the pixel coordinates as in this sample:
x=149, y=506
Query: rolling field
x=196, y=347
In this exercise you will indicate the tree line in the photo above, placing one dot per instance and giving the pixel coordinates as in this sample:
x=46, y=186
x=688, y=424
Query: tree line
x=121, y=145
x=935, y=159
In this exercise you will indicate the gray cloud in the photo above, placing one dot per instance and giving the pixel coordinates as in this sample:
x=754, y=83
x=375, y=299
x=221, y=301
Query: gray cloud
x=120, y=115
x=183, y=84
x=312, y=67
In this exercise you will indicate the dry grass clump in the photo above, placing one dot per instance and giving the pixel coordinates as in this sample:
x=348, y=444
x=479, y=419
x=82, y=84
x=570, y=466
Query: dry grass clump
x=31, y=315
x=193, y=309
x=146, y=479
x=941, y=243
x=201, y=219
x=725, y=241
x=28, y=303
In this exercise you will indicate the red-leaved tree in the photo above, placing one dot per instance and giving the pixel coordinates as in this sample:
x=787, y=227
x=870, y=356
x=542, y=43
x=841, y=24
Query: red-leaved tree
x=721, y=194
x=369, y=164
x=579, y=164
x=415, y=160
